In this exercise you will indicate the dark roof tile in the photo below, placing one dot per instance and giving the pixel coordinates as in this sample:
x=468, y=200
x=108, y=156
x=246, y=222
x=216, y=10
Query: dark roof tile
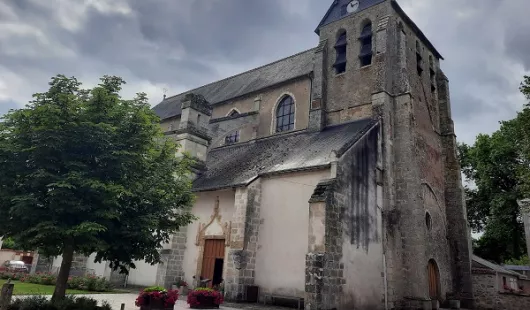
x=239, y=165
x=271, y=74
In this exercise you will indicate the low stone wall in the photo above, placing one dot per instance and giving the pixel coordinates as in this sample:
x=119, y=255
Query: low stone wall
x=488, y=297
x=511, y=302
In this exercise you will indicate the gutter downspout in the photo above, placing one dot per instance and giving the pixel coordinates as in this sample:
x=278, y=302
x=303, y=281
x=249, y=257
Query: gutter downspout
x=385, y=279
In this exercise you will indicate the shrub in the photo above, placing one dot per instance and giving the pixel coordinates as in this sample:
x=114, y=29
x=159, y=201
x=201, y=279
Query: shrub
x=4, y=275
x=69, y=303
x=85, y=283
x=155, y=289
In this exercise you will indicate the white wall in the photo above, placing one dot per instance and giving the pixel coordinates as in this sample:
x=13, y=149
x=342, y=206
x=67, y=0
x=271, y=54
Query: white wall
x=100, y=269
x=143, y=275
x=1, y=242
x=6, y=255
x=203, y=209
x=283, y=235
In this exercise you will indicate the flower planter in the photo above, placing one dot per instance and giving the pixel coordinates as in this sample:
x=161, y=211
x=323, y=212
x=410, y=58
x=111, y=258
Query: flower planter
x=157, y=305
x=205, y=302
x=435, y=304
x=454, y=304
x=204, y=298
x=156, y=298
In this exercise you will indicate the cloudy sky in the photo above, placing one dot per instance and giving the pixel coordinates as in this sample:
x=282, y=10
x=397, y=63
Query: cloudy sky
x=176, y=45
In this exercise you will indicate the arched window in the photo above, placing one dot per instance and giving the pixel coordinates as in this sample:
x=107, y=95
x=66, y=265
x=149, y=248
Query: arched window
x=340, y=49
x=428, y=221
x=366, y=45
x=285, y=114
x=233, y=113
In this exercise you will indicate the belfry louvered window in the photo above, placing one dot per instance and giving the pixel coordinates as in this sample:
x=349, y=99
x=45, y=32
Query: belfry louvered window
x=285, y=114
x=432, y=74
x=340, y=48
x=419, y=58
x=365, y=55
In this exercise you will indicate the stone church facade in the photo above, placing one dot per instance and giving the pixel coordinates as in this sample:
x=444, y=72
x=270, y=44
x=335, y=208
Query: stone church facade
x=330, y=175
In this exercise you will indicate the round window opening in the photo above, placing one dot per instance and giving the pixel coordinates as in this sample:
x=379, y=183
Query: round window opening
x=428, y=220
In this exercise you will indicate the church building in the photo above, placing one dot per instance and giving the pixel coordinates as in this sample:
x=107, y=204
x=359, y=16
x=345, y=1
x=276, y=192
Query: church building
x=330, y=175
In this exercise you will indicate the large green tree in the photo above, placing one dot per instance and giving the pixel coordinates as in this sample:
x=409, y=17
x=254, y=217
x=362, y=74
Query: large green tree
x=85, y=171
x=498, y=166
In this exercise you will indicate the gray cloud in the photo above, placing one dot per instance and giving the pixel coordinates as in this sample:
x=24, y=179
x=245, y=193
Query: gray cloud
x=183, y=44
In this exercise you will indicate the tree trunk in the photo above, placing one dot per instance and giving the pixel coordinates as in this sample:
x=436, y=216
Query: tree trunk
x=64, y=272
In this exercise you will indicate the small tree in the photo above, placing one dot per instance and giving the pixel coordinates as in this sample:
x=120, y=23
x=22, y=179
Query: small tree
x=86, y=171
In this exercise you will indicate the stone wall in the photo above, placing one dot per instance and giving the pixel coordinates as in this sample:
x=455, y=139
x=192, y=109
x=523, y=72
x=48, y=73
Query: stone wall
x=487, y=295
x=360, y=252
x=266, y=100
x=458, y=231
x=246, y=123
x=324, y=269
x=244, y=241
x=171, y=269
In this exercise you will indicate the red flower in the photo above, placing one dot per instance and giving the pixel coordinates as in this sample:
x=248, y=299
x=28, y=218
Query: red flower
x=194, y=296
x=168, y=298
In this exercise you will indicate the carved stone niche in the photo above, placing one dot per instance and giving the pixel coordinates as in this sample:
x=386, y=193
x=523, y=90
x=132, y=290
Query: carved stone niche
x=214, y=229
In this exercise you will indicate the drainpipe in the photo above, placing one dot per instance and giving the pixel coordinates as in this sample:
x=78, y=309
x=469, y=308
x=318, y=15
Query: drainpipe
x=385, y=280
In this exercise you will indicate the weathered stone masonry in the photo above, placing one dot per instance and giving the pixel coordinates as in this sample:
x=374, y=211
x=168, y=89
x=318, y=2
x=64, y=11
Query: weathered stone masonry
x=324, y=276
x=244, y=241
x=170, y=270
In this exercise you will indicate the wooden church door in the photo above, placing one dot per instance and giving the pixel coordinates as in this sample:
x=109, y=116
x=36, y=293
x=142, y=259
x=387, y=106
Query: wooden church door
x=434, y=280
x=213, y=261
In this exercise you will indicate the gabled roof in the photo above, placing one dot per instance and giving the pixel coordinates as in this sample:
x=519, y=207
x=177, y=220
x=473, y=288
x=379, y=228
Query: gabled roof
x=334, y=11
x=240, y=164
x=494, y=267
x=247, y=82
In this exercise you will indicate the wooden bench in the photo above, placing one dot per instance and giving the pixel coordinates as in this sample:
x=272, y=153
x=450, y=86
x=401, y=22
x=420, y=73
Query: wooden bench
x=272, y=297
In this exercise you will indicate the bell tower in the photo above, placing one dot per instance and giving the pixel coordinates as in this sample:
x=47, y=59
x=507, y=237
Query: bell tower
x=380, y=65
x=354, y=32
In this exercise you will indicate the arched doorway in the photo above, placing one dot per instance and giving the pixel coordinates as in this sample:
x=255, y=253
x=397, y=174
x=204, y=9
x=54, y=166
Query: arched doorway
x=434, y=280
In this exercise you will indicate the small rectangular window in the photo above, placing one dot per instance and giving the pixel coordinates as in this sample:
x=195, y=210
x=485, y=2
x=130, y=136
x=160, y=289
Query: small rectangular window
x=232, y=138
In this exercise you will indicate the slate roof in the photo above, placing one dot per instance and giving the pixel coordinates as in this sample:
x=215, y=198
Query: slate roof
x=334, y=11
x=271, y=74
x=516, y=267
x=494, y=267
x=239, y=165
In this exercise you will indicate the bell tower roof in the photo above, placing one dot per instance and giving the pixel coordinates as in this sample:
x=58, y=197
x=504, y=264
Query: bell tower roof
x=340, y=9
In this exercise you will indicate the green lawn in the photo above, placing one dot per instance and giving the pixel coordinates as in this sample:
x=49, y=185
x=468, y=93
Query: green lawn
x=22, y=288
